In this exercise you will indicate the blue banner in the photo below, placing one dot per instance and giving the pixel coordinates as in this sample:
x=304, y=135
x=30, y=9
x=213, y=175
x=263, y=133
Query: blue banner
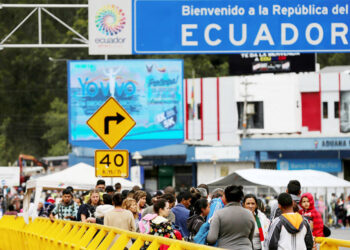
x=226, y=26
x=151, y=91
x=326, y=165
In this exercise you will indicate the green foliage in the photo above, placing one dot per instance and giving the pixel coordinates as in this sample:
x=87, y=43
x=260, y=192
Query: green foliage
x=333, y=59
x=56, y=120
x=59, y=148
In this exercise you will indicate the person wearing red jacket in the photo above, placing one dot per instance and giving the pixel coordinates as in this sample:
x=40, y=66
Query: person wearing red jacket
x=310, y=213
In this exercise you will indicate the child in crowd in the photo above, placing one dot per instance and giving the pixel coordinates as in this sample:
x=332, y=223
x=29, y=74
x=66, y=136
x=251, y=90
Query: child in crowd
x=310, y=213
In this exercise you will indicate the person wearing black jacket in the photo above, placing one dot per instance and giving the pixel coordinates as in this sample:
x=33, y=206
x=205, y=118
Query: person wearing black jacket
x=86, y=212
x=194, y=223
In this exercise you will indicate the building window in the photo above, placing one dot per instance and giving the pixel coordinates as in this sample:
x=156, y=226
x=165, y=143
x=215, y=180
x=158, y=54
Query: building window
x=325, y=110
x=255, y=114
x=199, y=107
x=194, y=112
x=336, y=109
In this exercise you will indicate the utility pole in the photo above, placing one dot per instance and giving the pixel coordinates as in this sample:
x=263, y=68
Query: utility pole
x=245, y=116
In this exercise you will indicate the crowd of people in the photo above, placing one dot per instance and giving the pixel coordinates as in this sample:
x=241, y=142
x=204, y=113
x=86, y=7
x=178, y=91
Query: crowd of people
x=226, y=218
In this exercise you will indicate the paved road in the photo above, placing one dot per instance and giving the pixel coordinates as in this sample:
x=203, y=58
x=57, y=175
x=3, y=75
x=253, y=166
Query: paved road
x=343, y=234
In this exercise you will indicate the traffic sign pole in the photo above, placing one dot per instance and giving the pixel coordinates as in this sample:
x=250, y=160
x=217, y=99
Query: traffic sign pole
x=111, y=122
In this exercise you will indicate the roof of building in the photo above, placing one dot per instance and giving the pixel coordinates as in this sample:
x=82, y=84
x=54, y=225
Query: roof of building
x=339, y=68
x=173, y=150
x=278, y=179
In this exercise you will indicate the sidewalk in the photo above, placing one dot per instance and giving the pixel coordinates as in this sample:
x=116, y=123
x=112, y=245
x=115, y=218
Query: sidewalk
x=343, y=234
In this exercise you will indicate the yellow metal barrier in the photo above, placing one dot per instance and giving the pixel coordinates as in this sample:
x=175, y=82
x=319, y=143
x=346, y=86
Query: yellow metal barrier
x=44, y=234
x=331, y=244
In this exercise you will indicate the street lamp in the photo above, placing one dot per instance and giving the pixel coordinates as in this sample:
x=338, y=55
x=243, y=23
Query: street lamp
x=136, y=175
x=214, y=159
x=137, y=157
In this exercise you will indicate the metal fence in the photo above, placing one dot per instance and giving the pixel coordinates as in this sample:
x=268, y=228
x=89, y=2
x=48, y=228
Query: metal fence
x=43, y=234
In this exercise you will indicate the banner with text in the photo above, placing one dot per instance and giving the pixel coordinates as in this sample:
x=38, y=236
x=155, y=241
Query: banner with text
x=149, y=90
x=225, y=26
x=326, y=165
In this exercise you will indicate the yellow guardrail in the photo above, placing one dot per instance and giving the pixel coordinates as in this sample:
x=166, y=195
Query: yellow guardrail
x=331, y=244
x=44, y=234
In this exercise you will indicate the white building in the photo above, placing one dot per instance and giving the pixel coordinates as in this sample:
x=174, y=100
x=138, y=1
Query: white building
x=292, y=117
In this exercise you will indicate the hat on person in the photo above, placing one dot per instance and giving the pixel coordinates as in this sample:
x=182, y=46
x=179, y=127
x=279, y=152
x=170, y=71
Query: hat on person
x=203, y=192
x=51, y=200
x=157, y=193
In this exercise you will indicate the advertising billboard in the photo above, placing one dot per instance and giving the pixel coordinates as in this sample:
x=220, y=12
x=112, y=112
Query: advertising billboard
x=255, y=63
x=151, y=91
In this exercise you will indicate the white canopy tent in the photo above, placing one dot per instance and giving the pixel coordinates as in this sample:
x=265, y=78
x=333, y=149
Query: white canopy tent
x=263, y=180
x=80, y=176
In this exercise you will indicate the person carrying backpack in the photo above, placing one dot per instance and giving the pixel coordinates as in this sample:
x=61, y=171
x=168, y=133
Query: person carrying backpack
x=86, y=212
x=46, y=208
x=194, y=223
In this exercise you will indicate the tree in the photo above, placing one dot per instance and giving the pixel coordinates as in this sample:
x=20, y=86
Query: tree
x=333, y=59
x=56, y=119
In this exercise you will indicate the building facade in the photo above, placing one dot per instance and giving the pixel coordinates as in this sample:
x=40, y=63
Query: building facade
x=293, y=121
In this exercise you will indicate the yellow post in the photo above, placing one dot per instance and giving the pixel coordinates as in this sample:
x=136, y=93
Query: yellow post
x=325, y=246
x=107, y=241
x=154, y=245
x=137, y=244
x=97, y=240
x=89, y=234
x=331, y=244
x=121, y=242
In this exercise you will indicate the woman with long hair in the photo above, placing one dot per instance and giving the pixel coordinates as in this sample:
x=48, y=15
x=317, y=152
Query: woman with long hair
x=102, y=210
x=131, y=205
x=86, y=212
x=201, y=210
x=140, y=197
x=250, y=202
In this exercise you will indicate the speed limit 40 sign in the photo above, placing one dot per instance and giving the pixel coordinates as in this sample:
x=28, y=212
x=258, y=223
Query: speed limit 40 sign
x=112, y=163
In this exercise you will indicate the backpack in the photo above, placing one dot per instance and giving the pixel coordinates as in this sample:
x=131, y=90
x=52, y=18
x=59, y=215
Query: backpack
x=46, y=210
x=201, y=236
x=144, y=223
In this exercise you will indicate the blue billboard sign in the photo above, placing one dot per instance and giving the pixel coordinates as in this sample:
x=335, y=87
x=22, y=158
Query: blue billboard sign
x=151, y=91
x=226, y=26
x=326, y=165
